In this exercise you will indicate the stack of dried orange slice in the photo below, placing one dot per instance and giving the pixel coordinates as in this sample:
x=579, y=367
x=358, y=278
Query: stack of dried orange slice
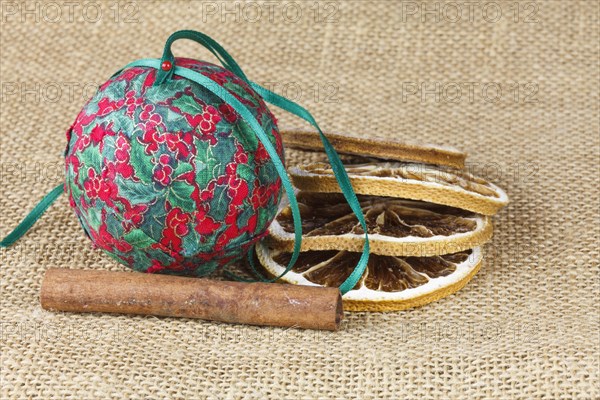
x=427, y=219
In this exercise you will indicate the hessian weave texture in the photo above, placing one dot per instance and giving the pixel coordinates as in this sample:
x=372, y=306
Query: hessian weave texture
x=516, y=85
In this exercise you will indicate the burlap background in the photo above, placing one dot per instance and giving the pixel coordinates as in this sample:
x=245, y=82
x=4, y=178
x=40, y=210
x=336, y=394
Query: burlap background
x=526, y=327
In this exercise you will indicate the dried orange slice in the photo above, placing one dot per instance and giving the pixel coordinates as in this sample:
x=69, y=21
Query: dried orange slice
x=395, y=226
x=430, y=183
x=377, y=148
x=389, y=283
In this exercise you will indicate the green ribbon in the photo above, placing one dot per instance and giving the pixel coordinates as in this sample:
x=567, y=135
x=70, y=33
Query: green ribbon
x=32, y=217
x=229, y=63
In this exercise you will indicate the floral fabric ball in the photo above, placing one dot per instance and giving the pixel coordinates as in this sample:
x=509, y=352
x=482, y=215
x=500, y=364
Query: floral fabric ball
x=169, y=178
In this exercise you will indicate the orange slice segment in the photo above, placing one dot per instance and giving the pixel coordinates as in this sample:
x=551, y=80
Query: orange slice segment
x=389, y=283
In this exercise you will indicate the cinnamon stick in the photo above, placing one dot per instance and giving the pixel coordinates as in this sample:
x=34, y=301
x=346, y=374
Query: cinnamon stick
x=272, y=304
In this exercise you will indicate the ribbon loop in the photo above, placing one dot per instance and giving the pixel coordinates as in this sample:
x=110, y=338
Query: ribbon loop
x=215, y=48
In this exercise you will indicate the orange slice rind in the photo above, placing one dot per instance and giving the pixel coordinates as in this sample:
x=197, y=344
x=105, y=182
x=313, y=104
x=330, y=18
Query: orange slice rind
x=387, y=149
x=434, y=184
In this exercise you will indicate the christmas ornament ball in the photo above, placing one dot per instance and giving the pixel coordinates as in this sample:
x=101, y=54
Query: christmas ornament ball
x=168, y=178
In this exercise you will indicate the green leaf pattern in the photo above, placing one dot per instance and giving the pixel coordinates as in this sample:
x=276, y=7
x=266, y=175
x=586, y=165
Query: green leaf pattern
x=168, y=178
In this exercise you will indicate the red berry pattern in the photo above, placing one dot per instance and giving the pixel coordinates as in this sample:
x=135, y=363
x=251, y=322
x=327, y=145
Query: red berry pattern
x=168, y=179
